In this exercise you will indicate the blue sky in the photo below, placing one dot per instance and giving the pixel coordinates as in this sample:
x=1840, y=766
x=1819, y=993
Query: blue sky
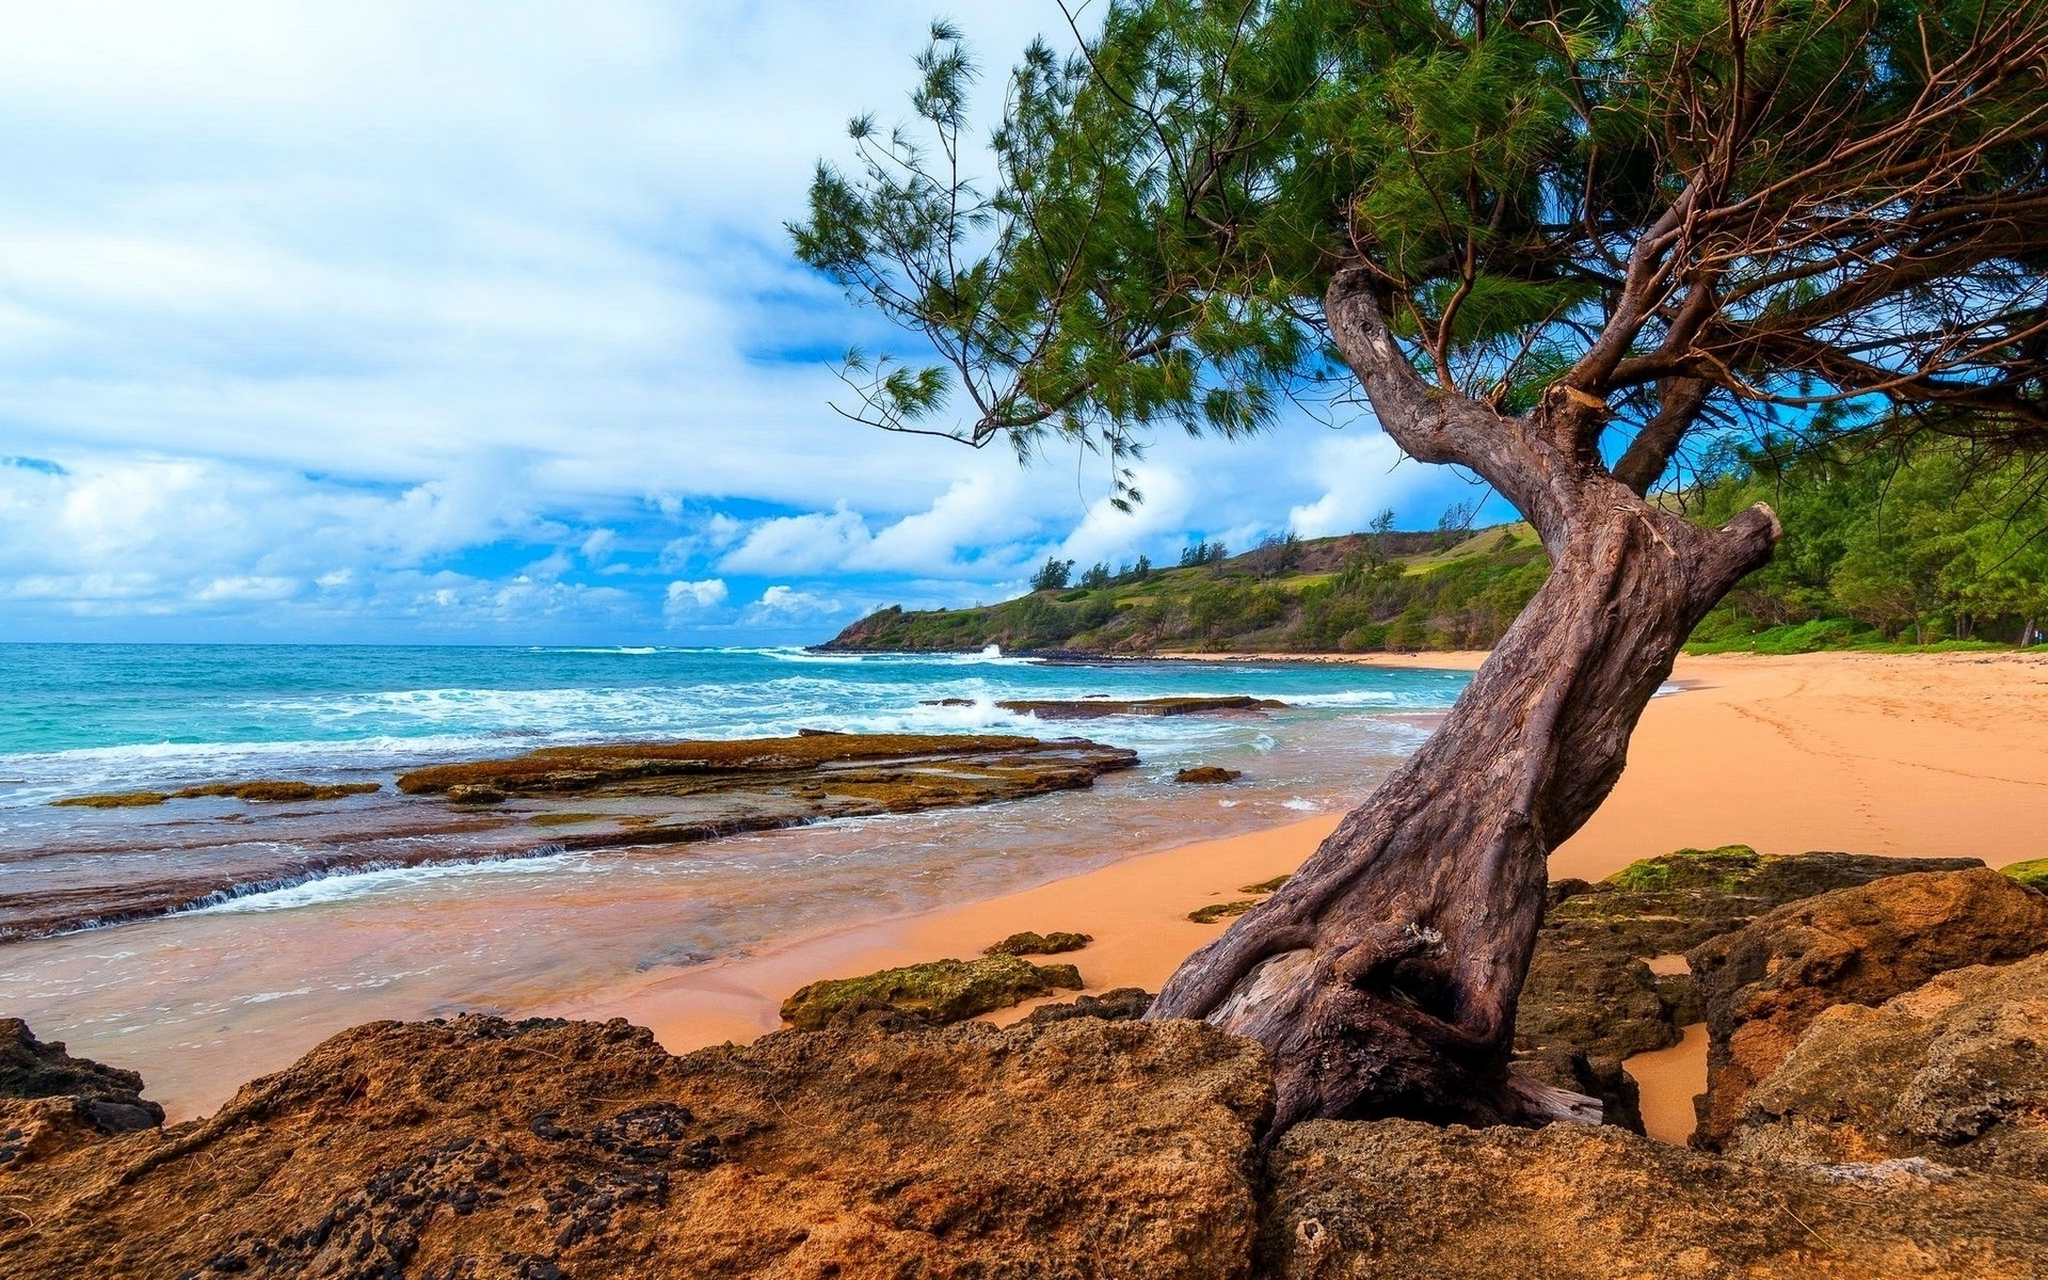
x=477, y=323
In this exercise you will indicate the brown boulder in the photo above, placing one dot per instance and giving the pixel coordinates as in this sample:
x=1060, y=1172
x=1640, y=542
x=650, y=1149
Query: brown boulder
x=1398, y=1200
x=1955, y=1072
x=1208, y=775
x=1766, y=983
x=491, y=1149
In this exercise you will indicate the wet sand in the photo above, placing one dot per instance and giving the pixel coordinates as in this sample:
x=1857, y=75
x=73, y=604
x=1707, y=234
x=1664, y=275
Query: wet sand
x=1933, y=755
x=1666, y=1081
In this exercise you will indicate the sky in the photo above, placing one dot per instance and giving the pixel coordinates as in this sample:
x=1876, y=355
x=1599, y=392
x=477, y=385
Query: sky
x=477, y=323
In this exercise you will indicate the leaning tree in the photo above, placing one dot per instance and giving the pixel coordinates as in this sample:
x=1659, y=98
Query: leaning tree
x=1564, y=244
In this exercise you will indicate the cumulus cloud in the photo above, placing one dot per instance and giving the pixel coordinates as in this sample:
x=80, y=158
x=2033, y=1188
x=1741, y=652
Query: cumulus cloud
x=1360, y=480
x=686, y=597
x=786, y=603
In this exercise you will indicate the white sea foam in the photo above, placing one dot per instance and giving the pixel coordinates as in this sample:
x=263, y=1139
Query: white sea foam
x=323, y=887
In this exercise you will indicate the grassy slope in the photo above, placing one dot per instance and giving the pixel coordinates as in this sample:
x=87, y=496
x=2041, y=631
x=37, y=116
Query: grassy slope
x=1333, y=598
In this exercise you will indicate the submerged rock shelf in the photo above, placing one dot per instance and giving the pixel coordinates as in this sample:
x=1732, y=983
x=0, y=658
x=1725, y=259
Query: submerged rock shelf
x=613, y=795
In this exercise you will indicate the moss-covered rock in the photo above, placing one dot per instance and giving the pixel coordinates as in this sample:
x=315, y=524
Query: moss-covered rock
x=114, y=800
x=1030, y=943
x=942, y=990
x=1220, y=911
x=274, y=789
x=2033, y=874
x=1265, y=886
x=1208, y=775
x=260, y=789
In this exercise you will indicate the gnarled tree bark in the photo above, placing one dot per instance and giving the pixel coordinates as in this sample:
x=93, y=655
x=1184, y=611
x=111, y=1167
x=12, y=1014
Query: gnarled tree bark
x=1383, y=977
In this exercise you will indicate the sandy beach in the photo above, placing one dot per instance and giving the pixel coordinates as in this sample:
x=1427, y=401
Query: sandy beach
x=1936, y=755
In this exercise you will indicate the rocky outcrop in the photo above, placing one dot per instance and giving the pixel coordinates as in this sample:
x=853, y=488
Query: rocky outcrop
x=1208, y=775
x=492, y=1149
x=1954, y=1072
x=1118, y=1004
x=51, y=1101
x=834, y=774
x=940, y=991
x=264, y=790
x=1033, y=943
x=1766, y=983
x=1397, y=1200
x=1674, y=902
x=1590, y=1001
x=575, y=798
x=1096, y=708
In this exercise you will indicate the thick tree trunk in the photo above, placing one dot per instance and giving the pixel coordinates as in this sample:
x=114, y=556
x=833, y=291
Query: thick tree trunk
x=1383, y=977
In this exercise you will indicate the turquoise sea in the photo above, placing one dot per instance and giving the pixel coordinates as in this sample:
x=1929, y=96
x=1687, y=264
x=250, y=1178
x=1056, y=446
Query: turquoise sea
x=278, y=961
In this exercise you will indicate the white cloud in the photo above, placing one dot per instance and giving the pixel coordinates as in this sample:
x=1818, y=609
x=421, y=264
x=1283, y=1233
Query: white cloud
x=799, y=544
x=684, y=597
x=1107, y=534
x=1357, y=470
x=785, y=603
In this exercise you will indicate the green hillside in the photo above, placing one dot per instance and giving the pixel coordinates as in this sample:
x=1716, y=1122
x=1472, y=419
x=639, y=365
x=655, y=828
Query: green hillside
x=1937, y=546
x=1356, y=593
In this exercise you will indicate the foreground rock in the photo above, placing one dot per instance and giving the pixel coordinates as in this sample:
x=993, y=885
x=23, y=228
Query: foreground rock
x=480, y=1148
x=1954, y=1072
x=51, y=1101
x=1590, y=1001
x=1765, y=984
x=941, y=991
x=1397, y=1200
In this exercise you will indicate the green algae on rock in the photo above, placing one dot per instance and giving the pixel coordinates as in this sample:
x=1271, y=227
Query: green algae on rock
x=899, y=772
x=1032, y=943
x=1220, y=911
x=274, y=789
x=2032, y=874
x=1265, y=886
x=942, y=990
x=261, y=789
x=113, y=800
x=605, y=796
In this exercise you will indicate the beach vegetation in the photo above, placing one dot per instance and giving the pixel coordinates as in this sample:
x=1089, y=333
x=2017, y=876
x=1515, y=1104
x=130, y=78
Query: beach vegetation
x=1052, y=575
x=1578, y=251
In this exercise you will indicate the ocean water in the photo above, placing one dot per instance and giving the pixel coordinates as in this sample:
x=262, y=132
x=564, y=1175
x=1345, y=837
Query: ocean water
x=244, y=980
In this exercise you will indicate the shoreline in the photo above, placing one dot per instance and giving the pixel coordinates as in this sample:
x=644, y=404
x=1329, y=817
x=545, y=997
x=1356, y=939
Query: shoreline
x=1888, y=754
